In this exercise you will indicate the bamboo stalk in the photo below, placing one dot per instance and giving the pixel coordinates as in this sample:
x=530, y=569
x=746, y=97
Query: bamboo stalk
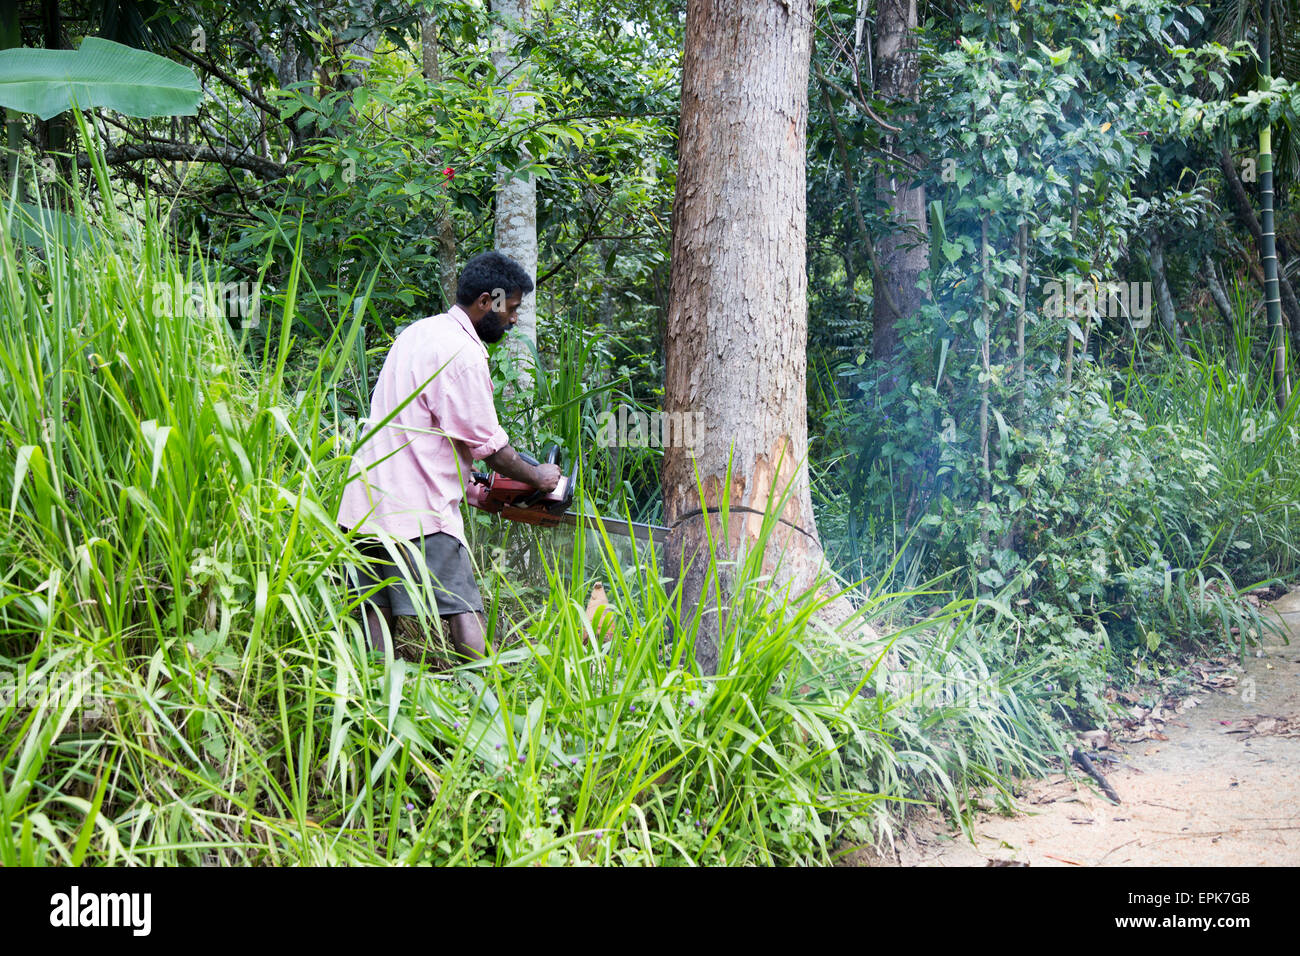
x=986, y=492
x=1268, y=247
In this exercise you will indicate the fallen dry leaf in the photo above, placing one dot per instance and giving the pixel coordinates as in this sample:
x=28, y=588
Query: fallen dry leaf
x=1264, y=725
x=1095, y=739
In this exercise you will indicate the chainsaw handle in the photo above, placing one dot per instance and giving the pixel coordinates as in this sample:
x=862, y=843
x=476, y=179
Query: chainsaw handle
x=513, y=494
x=561, y=506
x=485, y=503
x=551, y=457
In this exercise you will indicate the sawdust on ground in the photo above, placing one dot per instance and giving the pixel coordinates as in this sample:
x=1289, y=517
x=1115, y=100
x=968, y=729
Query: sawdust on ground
x=1222, y=790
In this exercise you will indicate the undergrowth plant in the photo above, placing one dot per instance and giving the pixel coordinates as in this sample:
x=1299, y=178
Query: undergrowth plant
x=190, y=685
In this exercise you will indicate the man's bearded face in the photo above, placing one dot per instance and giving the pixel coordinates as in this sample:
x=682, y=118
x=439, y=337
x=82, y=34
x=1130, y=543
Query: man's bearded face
x=493, y=327
x=496, y=323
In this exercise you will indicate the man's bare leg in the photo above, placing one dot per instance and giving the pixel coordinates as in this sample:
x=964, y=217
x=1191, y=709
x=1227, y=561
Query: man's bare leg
x=379, y=621
x=468, y=634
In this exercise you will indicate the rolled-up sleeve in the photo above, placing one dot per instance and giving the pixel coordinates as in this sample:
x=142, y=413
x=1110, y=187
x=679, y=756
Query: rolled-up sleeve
x=460, y=401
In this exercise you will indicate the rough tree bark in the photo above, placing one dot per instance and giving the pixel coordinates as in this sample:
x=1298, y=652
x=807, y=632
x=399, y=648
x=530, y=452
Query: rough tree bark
x=737, y=318
x=902, y=250
x=516, y=206
x=1164, y=301
x=1223, y=305
x=295, y=65
x=447, y=271
x=986, y=480
x=360, y=51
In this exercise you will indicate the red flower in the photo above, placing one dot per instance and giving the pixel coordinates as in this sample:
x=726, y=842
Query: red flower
x=449, y=172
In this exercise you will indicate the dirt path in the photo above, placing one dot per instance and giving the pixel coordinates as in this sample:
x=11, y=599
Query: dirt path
x=1205, y=796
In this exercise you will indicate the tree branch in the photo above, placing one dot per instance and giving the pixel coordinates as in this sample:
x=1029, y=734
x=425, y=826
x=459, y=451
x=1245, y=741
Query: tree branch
x=186, y=152
x=586, y=237
x=859, y=101
x=878, y=284
x=229, y=80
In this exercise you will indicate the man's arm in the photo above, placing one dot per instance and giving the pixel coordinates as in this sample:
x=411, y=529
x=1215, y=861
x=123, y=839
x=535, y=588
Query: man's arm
x=460, y=401
x=507, y=462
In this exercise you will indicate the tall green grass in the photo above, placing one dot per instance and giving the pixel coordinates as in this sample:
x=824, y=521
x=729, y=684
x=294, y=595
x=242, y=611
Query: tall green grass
x=190, y=684
x=1237, y=460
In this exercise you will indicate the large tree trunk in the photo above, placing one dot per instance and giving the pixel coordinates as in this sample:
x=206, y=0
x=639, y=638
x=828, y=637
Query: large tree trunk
x=447, y=271
x=737, y=319
x=516, y=212
x=360, y=52
x=902, y=251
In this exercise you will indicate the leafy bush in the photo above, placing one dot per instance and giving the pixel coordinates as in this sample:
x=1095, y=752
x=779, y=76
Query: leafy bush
x=190, y=679
x=1114, y=530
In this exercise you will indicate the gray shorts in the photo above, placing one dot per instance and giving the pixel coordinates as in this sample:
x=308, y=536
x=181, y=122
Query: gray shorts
x=436, y=562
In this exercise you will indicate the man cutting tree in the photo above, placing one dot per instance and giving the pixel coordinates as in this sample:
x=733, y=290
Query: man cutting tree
x=412, y=473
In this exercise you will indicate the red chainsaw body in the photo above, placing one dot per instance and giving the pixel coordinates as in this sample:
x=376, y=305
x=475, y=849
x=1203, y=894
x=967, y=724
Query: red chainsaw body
x=519, y=501
x=501, y=493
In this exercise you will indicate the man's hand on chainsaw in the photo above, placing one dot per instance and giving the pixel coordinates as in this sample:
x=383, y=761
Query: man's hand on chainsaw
x=524, y=489
x=507, y=462
x=475, y=494
x=548, y=476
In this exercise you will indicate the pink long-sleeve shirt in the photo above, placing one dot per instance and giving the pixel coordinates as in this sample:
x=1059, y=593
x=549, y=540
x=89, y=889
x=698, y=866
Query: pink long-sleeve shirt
x=409, y=478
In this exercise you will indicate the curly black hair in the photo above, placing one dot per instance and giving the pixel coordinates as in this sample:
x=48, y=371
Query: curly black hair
x=488, y=272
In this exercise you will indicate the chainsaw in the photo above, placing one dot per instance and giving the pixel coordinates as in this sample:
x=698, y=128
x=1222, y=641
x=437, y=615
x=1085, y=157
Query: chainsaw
x=518, y=501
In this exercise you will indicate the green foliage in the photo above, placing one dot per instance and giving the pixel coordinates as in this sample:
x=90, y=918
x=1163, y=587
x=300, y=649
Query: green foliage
x=190, y=676
x=1126, y=526
x=98, y=73
x=189, y=680
x=1099, y=523
x=382, y=160
x=1233, y=449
